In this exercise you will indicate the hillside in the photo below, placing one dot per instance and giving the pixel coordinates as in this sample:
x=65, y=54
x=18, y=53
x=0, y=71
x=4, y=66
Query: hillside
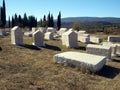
x=91, y=19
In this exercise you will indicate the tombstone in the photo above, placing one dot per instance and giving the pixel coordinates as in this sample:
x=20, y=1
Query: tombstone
x=28, y=33
x=113, y=38
x=99, y=50
x=84, y=39
x=62, y=30
x=95, y=39
x=49, y=36
x=38, y=38
x=33, y=29
x=91, y=62
x=51, y=29
x=42, y=29
x=81, y=32
x=69, y=39
x=113, y=47
x=16, y=36
x=2, y=32
x=118, y=49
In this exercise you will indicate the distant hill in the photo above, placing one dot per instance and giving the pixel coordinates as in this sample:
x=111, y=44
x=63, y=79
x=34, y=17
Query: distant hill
x=91, y=19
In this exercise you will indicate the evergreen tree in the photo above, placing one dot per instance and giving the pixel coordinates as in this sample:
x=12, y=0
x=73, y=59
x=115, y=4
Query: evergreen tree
x=44, y=21
x=20, y=21
x=25, y=20
x=48, y=20
x=13, y=21
x=9, y=22
x=51, y=21
x=4, y=14
x=59, y=21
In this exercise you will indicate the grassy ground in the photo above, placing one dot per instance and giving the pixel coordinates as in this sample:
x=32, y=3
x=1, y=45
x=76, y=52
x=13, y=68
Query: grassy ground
x=32, y=68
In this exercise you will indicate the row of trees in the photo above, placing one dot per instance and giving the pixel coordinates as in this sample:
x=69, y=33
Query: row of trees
x=3, y=15
x=26, y=21
x=49, y=22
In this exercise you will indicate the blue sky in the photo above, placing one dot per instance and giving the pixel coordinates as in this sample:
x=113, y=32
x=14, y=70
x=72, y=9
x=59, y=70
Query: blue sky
x=68, y=8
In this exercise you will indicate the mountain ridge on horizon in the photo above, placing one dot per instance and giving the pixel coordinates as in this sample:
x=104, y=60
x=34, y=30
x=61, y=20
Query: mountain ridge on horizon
x=91, y=19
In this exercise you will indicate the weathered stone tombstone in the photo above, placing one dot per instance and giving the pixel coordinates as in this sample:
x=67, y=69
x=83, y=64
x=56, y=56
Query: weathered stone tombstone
x=51, y=29
x=38, y=38
x=113, y=38
x=49, y=36
x=2, y=32
x=69, y=39
x=34, y=29
x=99, y=50
x=16, y=36
x=113, y=47
x=95, y=39
x=62, y=30
x=91, y=62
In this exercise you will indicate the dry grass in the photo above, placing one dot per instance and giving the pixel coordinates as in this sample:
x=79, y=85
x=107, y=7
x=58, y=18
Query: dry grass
x=32, y=68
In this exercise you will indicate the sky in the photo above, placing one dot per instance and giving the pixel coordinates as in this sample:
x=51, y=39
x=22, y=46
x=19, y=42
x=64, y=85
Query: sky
x=68, y=8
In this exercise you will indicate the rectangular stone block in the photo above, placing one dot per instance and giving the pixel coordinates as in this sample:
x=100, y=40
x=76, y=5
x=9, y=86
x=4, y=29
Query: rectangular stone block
x=92, y=62
x=99, y=50
x=113, y=38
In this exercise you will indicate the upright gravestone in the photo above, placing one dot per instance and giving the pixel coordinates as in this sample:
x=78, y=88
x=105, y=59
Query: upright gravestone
x=16, y=36
x=38, y=38
x=69, y=39
x=49, y=36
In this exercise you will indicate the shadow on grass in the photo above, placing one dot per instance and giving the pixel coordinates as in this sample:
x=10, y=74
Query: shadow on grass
x=116, y=60
x=81, y=48
x=109, y=72
x=55, y=48
x=32, y=47
x=0, y=49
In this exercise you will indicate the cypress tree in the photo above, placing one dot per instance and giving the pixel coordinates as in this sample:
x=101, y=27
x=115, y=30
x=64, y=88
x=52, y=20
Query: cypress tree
x=13, y=21
x=4, y=14
x=51, y=21
x=25, y=20
x=9, y=22
x=59, y=21
x=48, y=20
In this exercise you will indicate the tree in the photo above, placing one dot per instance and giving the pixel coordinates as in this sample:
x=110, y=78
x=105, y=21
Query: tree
x=76, y=26
x=25, y=20
x=13, y=21
x=9, y=22
x=20, y=21
x=59, y=21
x=4, y=14
x=32, y=21
x=48, y=20
x=51, y=21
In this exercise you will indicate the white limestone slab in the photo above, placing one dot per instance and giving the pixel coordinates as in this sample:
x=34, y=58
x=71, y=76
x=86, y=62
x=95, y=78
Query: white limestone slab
x=99, y=50
x=84, y=60
x=62, y=30
x=51, y=29
x=113, y=47
x=38, y=38
x=113, y=38
x=16, y=36
x=28, y=33
x=95, y=39
x=49, y=36
x=84, y=39
x=69, y=39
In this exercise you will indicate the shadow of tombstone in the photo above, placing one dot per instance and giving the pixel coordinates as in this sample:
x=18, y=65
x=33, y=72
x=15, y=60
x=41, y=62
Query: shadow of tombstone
x=108, y=72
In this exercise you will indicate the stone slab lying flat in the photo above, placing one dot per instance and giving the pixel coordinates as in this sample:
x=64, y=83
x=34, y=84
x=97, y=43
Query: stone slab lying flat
x=93, y=62
x=114, y=38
